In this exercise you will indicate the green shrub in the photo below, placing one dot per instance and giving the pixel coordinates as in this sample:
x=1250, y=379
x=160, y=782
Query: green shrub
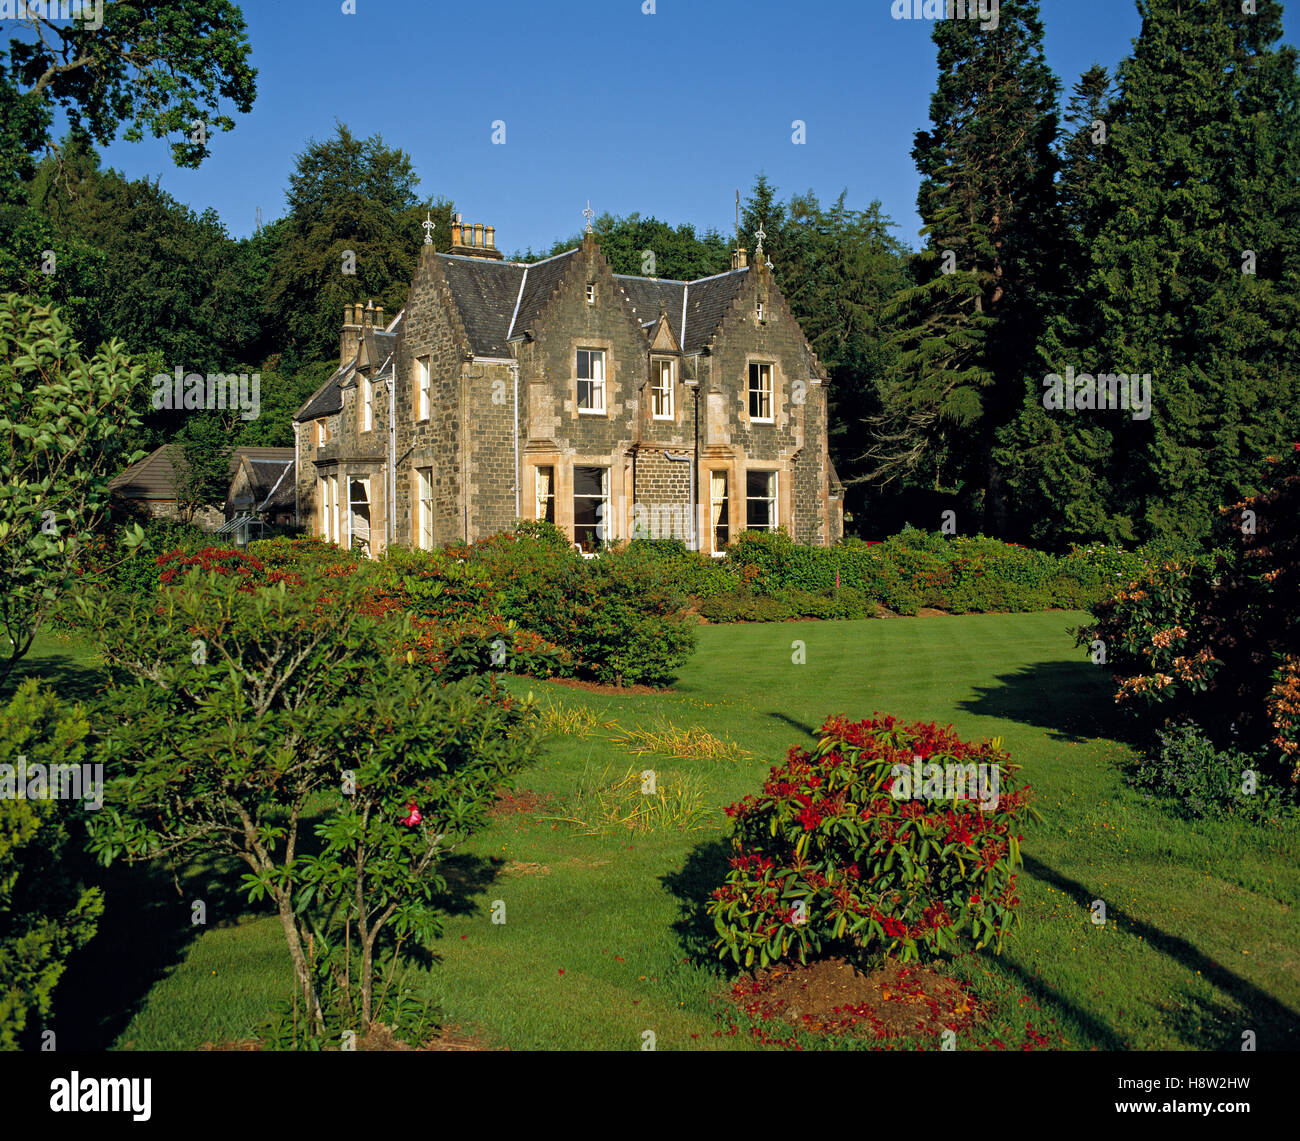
x=1206, y=781
x=835, y=855
x=45, y=914
x=630, y=624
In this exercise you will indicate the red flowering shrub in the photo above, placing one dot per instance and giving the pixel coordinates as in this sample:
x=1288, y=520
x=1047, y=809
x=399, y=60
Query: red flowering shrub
x=225, y=561
x=835, y=855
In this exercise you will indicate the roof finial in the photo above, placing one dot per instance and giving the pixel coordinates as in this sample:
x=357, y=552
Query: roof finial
x=428, y=228
x=760, y=235
x=588, y=213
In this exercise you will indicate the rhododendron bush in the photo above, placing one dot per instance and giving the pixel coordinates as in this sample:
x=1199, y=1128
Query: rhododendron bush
x=830, y=858
x=1218, y=644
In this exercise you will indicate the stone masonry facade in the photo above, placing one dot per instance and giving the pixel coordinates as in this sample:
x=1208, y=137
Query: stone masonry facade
x=614, y=406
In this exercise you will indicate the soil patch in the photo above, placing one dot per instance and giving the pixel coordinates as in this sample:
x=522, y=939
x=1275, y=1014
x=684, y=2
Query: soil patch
x=612, y=690
x=519, y=868
x=833, y=997
x=521, y=802
x=448, y=1038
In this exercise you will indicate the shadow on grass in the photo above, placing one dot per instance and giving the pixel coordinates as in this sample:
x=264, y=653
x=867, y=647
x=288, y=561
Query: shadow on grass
x=1073, y=701
x=70, y=679
x=1277, y=1025
x=704, y=869
x=145, y=931
x=808, y=730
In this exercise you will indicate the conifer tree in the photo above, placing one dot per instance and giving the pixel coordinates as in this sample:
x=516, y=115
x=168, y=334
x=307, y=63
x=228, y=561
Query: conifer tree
x=969, y=323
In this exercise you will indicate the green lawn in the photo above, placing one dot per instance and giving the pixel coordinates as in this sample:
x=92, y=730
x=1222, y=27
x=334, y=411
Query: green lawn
x=601, y=940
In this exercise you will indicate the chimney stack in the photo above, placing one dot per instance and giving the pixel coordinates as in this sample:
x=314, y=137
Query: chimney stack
x=477, y=240
x=351, y=334
x=739, y=258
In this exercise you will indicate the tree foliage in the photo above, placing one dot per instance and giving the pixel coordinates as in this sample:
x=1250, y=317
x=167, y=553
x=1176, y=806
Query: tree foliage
x=63, y=417
x=45, y=913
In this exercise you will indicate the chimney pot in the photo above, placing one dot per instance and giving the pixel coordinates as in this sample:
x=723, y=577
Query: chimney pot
x=490, y=235
x=478, y=234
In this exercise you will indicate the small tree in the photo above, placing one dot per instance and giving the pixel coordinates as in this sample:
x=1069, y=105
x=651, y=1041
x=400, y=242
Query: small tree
x=63, y=422
x=242, y=708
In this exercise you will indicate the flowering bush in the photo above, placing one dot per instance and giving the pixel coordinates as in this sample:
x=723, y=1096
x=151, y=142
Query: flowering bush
x=1151, y=636
x=225, y=561
x=1218, y=643
x=829, y=857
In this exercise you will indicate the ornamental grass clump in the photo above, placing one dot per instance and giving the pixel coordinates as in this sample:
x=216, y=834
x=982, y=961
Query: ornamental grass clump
x=885, y=837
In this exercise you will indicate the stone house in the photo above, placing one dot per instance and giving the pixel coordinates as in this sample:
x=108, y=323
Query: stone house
x=612, y=406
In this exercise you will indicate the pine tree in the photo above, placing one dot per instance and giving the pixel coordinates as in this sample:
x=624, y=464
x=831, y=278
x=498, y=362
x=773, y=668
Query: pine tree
x=1196, y=184
x=969, y=324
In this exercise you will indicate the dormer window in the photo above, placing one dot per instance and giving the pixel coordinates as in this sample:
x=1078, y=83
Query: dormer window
x=591, y=293
x=367, y=404
x=661, y=391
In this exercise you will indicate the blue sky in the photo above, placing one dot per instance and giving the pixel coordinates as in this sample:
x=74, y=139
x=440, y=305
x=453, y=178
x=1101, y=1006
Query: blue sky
x=666, y=114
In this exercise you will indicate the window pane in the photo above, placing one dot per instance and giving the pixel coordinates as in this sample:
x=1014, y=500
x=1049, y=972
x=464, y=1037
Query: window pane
x=588, y=480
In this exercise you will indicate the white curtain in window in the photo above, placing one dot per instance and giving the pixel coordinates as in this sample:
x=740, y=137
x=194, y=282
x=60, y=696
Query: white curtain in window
x=718, y=486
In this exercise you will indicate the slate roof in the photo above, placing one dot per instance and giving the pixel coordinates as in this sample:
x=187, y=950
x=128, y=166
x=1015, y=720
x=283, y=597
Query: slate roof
x=499, y=301
x=154, y=477
x=539, y=282
x=646, y=294
x=485, y=293
x=707, y=300
x=327, y=399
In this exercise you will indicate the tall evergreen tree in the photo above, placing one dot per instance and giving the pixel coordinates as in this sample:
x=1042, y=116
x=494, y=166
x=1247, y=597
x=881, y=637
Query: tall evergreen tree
x=1041, y=454
x=969, y=323
x=353, y=232
x=1195, y=185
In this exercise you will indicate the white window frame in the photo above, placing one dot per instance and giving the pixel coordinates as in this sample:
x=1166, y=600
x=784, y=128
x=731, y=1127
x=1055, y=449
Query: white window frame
x=659, y=390
x=603, y=518
x=728, y=499
x=597, y=382
x=539, y=500
x=334, y=507
x=323, y=499
x=423, y=389
x=367, y=404
x=354, y=503
x=591, y=293
x=773, y=500
x=761, y=315
x=424, y=508
x=764, y=370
